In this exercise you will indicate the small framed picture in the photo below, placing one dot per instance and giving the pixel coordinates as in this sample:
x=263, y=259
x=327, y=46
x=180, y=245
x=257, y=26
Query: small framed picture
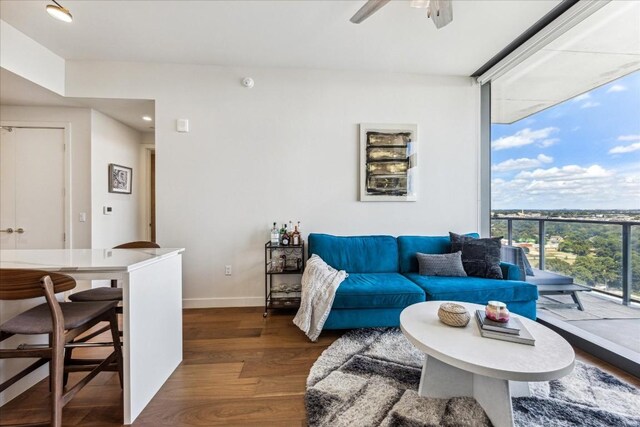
x=120, y=178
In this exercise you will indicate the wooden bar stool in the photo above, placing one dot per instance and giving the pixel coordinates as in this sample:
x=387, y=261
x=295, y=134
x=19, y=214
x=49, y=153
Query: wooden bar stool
x=63, y=322
x=114, y=293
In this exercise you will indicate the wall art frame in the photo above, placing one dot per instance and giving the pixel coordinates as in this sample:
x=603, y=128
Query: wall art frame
x=120, y=179
x=388, y=162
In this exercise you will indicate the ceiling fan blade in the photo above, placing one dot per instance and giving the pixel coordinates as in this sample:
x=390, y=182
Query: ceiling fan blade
x=441, y=12
x=369, y=8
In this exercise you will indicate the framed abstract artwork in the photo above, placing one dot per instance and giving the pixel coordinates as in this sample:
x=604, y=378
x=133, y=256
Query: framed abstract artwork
x=120, y=178
x=388, y=162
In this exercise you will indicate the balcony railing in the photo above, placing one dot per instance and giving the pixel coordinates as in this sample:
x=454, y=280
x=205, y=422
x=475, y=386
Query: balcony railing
x=629, y=244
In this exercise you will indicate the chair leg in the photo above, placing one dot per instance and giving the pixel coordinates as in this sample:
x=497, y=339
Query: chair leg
x=115, y=336
x=67, y=359
x=576, y=299
x=57, y=361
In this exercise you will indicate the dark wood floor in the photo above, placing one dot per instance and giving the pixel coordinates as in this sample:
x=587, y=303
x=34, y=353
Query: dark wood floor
x=238, y=369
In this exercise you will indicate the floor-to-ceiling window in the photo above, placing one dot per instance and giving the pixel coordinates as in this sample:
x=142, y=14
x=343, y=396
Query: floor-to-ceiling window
x=565, y=166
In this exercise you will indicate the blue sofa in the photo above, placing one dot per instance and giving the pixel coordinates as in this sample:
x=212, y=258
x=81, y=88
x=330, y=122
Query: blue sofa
x=383, y=280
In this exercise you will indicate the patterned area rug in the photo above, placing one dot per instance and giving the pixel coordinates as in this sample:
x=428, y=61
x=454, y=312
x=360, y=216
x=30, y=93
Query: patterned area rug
x=370, y=377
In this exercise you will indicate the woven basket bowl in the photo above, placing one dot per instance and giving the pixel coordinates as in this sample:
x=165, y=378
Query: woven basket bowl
x=453, y=314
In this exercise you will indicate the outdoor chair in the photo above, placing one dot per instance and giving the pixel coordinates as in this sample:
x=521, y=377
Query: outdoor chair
x=548, y=283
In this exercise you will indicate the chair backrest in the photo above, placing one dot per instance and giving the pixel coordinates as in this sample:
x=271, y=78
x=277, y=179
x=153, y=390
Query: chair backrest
x=141, y=244
x=515, y=255
x=18, y=284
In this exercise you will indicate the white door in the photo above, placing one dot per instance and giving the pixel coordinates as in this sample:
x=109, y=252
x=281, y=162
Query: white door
x=31, y=188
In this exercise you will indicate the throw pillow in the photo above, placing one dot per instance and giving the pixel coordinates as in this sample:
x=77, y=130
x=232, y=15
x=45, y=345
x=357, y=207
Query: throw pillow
x=480, y=257
x=441, y=265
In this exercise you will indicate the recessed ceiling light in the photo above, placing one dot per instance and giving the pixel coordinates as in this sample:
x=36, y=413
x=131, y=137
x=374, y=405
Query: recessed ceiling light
x=59, y=12
x=147, y=118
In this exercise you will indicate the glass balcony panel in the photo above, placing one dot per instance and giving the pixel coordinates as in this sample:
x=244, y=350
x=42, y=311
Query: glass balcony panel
x=525, y=234
x=590, y=253
x=499, y=228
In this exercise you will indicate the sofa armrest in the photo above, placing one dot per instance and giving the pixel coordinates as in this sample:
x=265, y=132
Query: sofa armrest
x=510, y=271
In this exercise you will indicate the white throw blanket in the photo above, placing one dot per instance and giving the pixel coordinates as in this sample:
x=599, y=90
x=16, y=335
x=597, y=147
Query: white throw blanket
x=319, y=284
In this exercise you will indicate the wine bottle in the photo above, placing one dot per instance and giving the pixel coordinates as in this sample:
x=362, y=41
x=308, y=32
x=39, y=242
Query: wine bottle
x=284, y=238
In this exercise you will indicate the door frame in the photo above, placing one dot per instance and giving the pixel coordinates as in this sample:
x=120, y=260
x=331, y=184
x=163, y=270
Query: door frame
x=67, y=196
x=145, y=181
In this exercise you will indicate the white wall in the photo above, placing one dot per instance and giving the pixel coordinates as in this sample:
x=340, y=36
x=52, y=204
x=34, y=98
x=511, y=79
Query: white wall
x=113, y=142
x=23, y=56
x=148, y=138
x=80, y=140
x=287, y=149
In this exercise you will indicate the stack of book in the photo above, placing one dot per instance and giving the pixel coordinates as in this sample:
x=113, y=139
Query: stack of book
x=513, y=330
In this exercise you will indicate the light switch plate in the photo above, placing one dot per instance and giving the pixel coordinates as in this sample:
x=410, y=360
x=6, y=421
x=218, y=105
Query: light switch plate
x=182, y=125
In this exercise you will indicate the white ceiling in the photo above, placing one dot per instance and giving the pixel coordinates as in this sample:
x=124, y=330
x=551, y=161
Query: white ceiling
x=598, y=50
x=14, y=90
x=292, y=33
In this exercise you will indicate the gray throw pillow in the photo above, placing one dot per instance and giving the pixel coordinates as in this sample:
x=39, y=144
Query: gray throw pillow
x=441, y=264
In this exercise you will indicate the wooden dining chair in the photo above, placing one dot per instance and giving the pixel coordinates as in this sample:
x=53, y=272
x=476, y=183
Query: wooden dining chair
x=62, y=322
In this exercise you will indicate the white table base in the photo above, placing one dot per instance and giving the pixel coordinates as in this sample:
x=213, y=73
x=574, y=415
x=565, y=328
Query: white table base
x=443, y=381
x=152, y=300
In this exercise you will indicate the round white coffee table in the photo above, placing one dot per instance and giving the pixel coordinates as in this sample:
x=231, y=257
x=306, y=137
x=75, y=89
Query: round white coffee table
x=460, y=362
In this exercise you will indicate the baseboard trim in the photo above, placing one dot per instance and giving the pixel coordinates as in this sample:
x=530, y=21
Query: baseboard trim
x=222, y=302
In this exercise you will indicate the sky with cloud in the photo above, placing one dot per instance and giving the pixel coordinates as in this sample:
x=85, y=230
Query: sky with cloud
x=581, y=154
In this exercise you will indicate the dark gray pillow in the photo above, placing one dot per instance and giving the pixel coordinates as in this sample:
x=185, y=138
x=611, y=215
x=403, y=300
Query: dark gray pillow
x=441, y=265
x=480, y=257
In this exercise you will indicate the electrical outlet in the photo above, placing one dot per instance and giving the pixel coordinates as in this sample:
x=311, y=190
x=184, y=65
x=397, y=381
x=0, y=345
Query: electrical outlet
x=227, y=270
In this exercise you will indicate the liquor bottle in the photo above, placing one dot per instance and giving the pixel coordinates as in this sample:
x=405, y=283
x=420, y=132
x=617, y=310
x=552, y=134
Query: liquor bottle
x=295, y=236
x=275, y=235
x=285, y=238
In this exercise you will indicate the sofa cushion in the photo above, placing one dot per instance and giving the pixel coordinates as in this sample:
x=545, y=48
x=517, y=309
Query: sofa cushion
x=356, y=254
x=441, y=264
x=377, y=290
x=474, y=289
x=543, y=277
x=480, y=257
x=409, y=246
